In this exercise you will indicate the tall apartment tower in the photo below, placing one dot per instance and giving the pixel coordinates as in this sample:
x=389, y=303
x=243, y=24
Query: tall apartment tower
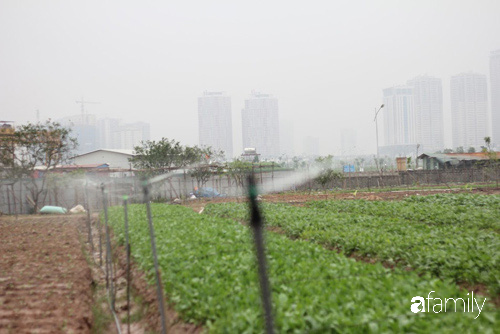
x=214, y=122
x=495, y=96
x=469, y=110
x=399, y=116
x=260, y=123
x=428, y=106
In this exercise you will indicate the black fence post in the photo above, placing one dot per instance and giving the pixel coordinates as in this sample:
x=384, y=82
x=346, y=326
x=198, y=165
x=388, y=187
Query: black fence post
x=109, y=263
x=89, y=223
x=127, y=249
x=256, y=224
x=159, y=289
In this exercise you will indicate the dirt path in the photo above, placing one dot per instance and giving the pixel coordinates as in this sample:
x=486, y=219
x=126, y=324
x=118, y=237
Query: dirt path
x=45, y=282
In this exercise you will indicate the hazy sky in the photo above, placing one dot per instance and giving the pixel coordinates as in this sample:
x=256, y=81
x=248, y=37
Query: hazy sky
x=326, y=61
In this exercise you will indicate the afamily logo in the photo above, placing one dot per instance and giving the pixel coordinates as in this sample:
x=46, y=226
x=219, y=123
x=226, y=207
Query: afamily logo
x=449, y=304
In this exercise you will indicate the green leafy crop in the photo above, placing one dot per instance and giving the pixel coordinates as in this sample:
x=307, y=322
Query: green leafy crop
x=209, y=275
x=447, y=236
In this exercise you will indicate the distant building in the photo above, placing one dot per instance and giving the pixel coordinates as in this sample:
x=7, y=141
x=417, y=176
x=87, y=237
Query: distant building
x=260, y=124
x=108, y=133
x=311, y=146
x=250, y=155
x=469, y=110
x=399, y=116
x=432, y=161
x=215, y=127
x=84, y=129
x=428, y=107
x=115, y=159
x=495, y=96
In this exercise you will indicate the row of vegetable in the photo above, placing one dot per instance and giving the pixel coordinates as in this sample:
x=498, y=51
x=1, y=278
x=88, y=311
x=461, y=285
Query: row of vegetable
x=209, y=275
x=448, y=236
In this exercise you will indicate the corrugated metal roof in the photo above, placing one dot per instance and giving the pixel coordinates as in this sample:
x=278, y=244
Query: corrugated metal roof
x=126, y=152
x=455, y=158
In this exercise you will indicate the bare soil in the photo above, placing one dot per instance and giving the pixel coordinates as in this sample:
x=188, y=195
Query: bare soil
x=45, y=282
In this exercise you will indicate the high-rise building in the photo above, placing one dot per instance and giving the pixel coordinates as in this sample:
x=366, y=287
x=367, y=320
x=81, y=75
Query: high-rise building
x=399, y=116
x=495, y=96
x=260, y=123
x=428, y=106
x=469, y=110
x=214, y=122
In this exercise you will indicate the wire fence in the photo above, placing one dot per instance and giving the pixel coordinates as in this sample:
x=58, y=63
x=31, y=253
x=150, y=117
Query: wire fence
x=21, y=196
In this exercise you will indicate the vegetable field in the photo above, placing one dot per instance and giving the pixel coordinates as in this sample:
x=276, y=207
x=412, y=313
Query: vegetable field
x=447, y=236
x=208, y=273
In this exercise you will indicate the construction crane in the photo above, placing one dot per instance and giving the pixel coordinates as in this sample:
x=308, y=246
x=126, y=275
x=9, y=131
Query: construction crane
x=84, y=115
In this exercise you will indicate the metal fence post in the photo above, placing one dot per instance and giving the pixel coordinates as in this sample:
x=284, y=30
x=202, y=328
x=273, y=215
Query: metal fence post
x=127, y=248
x=109, y=263
x=256, y=224
x=89, y=224
x=159, y=289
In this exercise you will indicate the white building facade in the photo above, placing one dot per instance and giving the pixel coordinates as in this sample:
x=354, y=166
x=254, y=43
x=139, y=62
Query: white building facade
x=469, y=110
x=399, y=116
x=495, y=96
x=115, y=158
x=260, y=125
x=215, y=127
x=428, y=108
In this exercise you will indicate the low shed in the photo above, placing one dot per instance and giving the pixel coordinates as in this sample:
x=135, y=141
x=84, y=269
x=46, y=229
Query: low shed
x=116, y=159
x=454, y=160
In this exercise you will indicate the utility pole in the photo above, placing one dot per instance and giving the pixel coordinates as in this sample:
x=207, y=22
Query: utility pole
x=82, y=104
x=416, y=159
x=376, y=127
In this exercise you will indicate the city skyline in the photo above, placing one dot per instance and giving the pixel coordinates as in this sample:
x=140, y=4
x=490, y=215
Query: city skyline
x=94, y=133
x=325, y=80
